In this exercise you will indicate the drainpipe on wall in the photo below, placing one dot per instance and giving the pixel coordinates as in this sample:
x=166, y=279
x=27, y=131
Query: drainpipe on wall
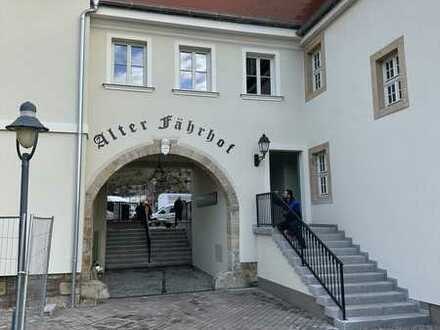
x=79, y=142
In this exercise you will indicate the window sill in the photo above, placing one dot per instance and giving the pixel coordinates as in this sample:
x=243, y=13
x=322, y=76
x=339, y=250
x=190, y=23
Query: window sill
x=130, y=88
x=254, y=97
x=395, y=107
x=189, y=92
x=311, y=95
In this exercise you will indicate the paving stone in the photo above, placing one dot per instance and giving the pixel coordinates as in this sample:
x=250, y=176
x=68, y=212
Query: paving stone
x=227, y=309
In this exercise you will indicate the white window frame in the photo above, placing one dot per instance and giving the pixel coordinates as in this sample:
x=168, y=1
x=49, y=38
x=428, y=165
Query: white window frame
x=391, y=80
x=193, y=51
x=317, y=69
x=274, y=56
x=195, y=46
x=129, y=39
x=129, y=64
x=322, y=173
x=258, y=59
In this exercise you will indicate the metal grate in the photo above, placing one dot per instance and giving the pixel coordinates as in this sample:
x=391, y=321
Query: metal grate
x=37, y=261
x=8, y=245
x=37, y=257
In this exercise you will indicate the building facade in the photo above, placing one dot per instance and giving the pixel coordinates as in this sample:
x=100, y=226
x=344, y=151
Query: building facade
x=346, y=87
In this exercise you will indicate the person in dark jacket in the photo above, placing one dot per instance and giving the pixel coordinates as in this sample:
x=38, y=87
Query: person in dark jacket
x=178, y=210
x=140, y=212
x=291, y=226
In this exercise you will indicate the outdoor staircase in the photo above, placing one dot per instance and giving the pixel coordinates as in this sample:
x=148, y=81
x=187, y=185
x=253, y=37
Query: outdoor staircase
x=373, y=300
x=127, y=247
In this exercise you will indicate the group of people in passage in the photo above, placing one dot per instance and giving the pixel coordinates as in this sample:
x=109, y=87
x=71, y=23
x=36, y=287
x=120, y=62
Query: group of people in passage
x=291, y=226
x=144, y=211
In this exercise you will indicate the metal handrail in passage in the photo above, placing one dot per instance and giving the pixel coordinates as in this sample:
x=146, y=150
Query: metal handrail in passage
x=326, y=267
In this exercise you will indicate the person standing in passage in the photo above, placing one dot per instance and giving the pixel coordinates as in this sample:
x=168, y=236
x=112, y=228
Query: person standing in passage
x=148, y=212
x=140, y=212
x=178, y=210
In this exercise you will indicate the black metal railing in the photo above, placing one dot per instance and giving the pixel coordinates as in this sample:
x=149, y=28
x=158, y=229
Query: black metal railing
x=326, y=267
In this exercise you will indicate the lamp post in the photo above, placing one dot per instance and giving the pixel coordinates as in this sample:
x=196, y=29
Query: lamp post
x=27, y=128
x=263, y=146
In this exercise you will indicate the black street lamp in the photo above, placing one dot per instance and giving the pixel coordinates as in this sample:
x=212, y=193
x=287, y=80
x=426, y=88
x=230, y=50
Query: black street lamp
x=27, y=128
x=263, y=146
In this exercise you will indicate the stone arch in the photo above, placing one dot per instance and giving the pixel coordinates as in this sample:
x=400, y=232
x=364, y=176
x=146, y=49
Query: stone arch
x=236, y=275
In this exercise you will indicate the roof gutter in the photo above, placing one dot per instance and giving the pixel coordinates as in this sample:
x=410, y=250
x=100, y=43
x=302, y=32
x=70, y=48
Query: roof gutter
x=201, y=14
x=317, y=16
x=79, y=143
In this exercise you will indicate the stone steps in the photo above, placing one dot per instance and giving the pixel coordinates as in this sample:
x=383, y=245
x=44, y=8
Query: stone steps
x=127, y=247
x=375, y=309
x=372, y=300
x=383, y=321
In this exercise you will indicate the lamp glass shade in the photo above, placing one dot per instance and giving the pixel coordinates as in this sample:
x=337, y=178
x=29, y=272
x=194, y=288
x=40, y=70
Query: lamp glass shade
x=264, y=144
x=26, y=136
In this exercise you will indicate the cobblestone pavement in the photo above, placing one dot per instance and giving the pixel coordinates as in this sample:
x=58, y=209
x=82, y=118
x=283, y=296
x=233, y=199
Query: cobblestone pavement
x=235, y=309
x=153, y=281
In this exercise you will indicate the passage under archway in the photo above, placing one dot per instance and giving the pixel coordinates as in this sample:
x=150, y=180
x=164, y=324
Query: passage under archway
x=215, y=232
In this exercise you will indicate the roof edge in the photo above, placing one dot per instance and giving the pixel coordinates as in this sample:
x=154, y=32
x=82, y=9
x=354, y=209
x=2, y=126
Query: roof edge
x=201, y=14
x=317, y=16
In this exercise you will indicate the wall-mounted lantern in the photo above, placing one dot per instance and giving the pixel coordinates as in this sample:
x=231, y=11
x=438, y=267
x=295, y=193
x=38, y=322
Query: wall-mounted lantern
x=263, y=146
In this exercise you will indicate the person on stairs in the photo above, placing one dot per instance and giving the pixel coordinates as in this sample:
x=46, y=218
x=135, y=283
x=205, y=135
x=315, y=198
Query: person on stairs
x=291, y=226
x=178, y=210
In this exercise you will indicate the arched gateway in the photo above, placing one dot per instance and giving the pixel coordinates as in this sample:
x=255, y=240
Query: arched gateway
x=237, y=275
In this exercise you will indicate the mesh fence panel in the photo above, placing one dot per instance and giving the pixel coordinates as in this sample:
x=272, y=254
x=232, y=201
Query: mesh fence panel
x=8, y=245
x=38, y=253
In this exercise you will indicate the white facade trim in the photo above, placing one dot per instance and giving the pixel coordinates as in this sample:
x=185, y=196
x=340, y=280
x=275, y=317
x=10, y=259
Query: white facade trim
x=65, y=128
x=212, y=70
x=130, y=37
x=282, y=44
x=181, y=21
x=128, y=88
x=276, y=81
x=188, y=92
x=270, y=98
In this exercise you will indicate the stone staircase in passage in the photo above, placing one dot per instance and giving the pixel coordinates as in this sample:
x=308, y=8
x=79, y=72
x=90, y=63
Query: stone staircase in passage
x=126, y=247
x=373, y=300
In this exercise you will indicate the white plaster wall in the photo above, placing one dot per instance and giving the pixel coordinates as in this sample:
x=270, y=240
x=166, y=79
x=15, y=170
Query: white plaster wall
x=208, y=226
x=237, y=121
x=273, y=266
x=39, y=62
x=384, y=172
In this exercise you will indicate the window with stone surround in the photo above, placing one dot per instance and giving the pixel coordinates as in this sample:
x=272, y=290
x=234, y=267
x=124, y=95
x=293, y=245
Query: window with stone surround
x=314, y=68
x=320, y=175
x=388, y=71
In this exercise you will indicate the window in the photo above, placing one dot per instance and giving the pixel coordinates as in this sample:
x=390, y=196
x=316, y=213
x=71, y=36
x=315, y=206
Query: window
x=320, y=179
x=390, y=91
x=259, y=75
x=129, y=63
x=322, y=173
x=194, y=69
x=314, y=68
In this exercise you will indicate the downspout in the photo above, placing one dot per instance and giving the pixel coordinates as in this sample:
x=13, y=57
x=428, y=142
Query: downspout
x=79, y=142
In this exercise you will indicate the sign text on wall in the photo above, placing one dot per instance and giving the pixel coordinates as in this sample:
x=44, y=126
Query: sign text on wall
x=103, y=139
